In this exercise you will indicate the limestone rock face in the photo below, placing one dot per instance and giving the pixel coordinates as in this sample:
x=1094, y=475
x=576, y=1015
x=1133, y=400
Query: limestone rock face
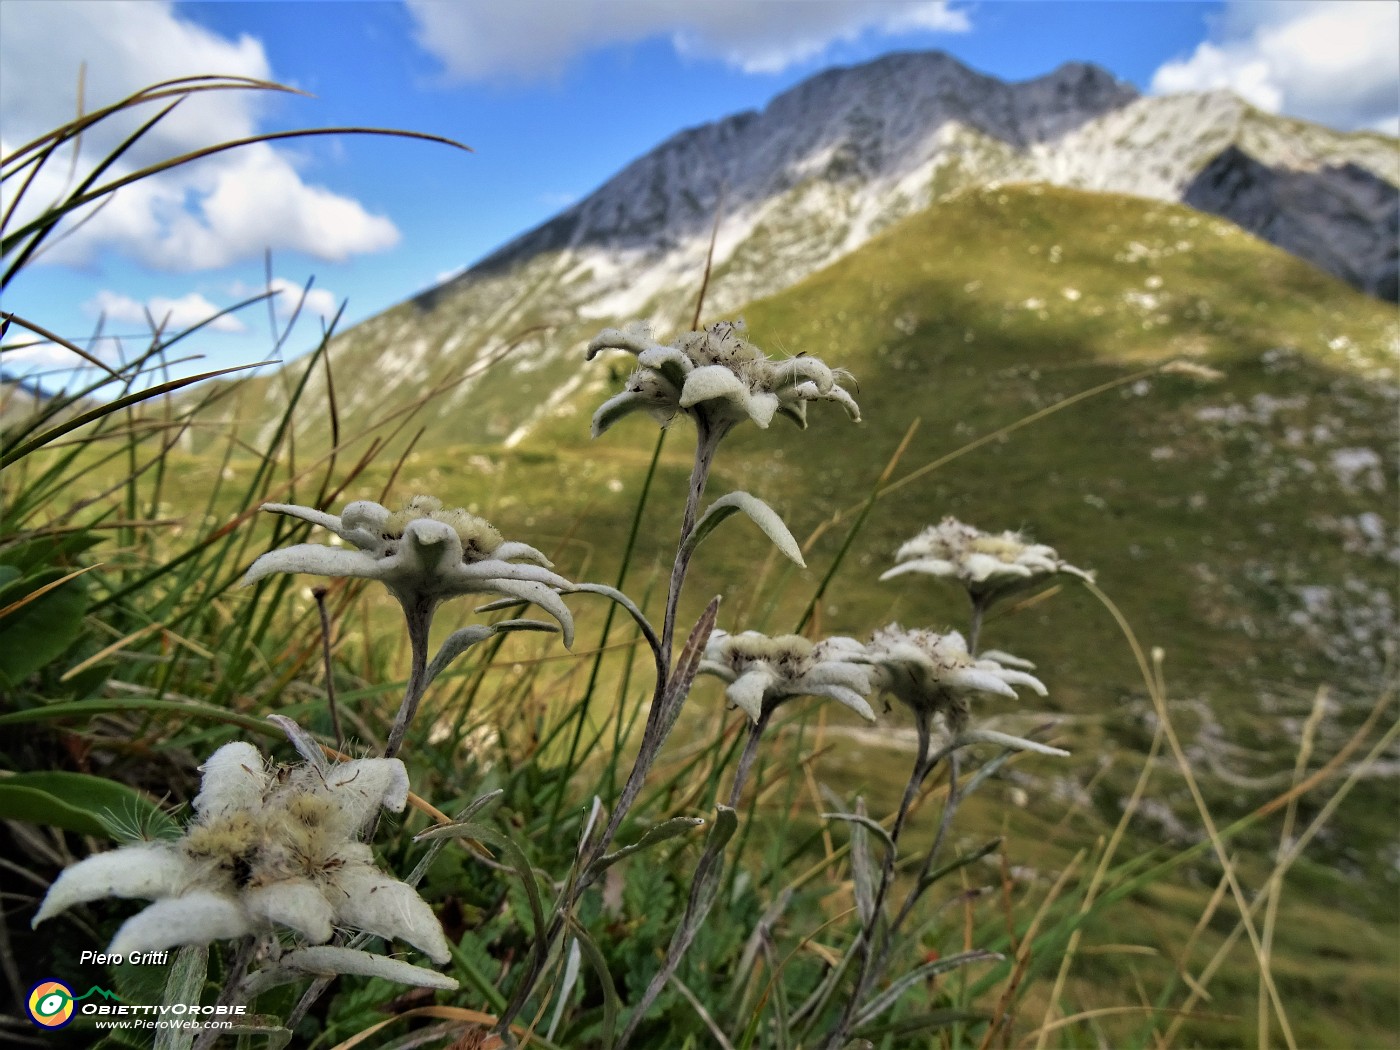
x=1343, y=218
x=826, y=166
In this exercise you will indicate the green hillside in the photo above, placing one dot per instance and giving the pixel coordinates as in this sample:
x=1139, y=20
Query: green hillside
x=1245, y=525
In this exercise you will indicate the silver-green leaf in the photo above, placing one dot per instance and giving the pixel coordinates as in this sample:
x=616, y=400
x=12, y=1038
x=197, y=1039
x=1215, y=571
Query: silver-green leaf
x=762, y=515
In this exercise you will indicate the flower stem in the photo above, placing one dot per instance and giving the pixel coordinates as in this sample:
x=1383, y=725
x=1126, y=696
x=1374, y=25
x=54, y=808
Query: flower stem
x=866, y=972
x=974, y=627
x=419, y=616
x=916, y=891
x=702, y=884
x=232, y=993
x=707, y=439
x=664, y=706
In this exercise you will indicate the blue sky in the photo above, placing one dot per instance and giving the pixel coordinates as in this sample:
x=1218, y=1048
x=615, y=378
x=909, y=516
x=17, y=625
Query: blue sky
x=554, y=95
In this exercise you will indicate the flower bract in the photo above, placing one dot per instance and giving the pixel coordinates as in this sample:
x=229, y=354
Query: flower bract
x=423, y=554
x=935, y=674
x=987, y=564
x=716, y=376
x=265, y=851
x=762, y=671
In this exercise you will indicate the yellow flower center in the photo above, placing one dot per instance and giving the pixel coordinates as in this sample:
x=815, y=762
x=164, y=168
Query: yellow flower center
x=479, y=538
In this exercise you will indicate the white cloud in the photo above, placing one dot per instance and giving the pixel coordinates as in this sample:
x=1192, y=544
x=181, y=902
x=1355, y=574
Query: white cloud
x=318, y=302
x=1336, y=63
x=171, y=315
x=207, y=215
x=530, y=39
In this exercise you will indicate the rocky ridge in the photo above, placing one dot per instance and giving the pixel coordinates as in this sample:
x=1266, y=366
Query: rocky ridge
x=833, y=161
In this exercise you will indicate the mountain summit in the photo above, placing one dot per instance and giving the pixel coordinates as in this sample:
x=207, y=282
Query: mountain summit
x=831, y=162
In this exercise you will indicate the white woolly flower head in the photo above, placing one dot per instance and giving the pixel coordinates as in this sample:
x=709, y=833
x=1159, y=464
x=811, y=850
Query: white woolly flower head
x=987, y=564
x=716, y=376
x=762, y=672
x=935, y=674
x=422, y=553
x=266, y=851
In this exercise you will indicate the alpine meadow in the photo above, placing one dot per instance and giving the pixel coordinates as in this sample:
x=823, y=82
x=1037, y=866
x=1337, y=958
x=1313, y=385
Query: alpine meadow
x=911, y=566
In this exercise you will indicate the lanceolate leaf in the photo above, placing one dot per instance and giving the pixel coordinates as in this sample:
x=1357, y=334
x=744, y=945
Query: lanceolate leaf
x=762, y=515
x=594, y=956
x=891, y=995
x=668, y=829
x=865, y=822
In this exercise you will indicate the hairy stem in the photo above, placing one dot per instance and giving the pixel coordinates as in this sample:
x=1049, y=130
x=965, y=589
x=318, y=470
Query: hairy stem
x=974, y=627
x=664, y=706
x=866, y=971
x=707, y=438
x=419, y=616
x=707, y=873
x=232, y=993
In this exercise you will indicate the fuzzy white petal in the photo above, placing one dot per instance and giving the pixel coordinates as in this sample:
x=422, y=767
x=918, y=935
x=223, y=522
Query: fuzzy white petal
x=479, y=575
x=365, y=515
x=982, y=681
x=200, y=917
x=762, y=407
x=1021, y=678
x=797, y=370
x=294, y=903
x=539, y=594
x=718, y=669
x=1005, y=659
x=368, y=900
x=845, y=400
x=636, y=339
x=981, y=567
x=429, y=548
x=144, y=871
x=849, y=697
x=711, y=382
x=673, y=364
x=232, y=780
x=315, y=517
x=850, y=676
x=317, y=560
x=331, y=960
x=359, y=788
x=746, y=691
x=931, y=566
x=618, y=406
x=512, y=549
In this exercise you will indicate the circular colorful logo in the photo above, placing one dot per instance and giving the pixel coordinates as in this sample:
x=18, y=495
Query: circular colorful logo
x=50, y=1004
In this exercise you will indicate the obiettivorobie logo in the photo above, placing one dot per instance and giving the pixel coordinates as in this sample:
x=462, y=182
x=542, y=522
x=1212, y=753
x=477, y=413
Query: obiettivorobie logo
x=50, y=1003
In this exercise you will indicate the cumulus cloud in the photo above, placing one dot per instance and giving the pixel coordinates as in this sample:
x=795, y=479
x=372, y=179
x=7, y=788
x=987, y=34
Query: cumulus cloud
x=530, y=39
x=318, y=302
x=1332, y=62
x=207, y=215
x=170, y=315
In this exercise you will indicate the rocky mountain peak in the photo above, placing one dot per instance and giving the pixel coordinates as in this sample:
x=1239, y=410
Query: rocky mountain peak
x=834, y=160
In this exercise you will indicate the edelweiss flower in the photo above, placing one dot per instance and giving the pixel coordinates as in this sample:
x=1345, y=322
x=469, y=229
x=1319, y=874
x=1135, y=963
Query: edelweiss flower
x=762, y=672
x=265, y=851
x=422, y=553
x=986, y=564
x=715, y=375
x=935, y=674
